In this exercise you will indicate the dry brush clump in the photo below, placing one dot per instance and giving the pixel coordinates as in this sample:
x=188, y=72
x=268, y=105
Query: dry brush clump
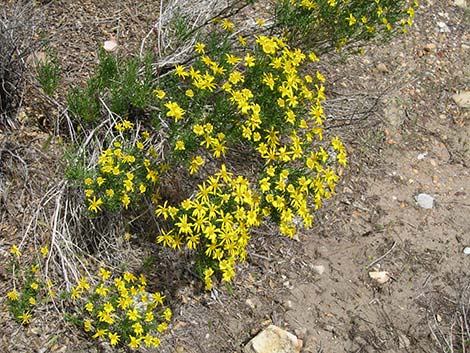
x=17, y=42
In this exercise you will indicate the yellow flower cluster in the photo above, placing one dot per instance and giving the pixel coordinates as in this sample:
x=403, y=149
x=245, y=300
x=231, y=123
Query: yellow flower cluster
x=279, y=112
x=25, y=296
x=217, y=220
x=366, y=16
x=121, y=309
x=125, y=170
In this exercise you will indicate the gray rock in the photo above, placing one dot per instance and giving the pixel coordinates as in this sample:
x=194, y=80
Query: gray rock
x=461, y=3
x=274, y=340
x=425, y=201
x=442, y=27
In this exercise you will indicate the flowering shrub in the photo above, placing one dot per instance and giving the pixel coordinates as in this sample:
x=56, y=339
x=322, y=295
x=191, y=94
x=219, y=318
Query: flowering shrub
x=120, y=310
x=254, y=100
x=125, y=171
x=29, y=288
x=327, y=24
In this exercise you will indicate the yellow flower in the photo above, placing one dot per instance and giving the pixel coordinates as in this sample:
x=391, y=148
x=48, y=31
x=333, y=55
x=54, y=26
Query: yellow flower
x=95, y=204
x=134, y=343
x=183, y=225
x=199, y=47
x=15, y=251
x=110, y=192
x=159, y=93
x=189, y=93
x=313, y=57
x=167, y=314
x=88, y=181
x=12, y=295
x=127, y=124
x=75, y=293
x=174, y=110
x=149, y=316
x=108, y=307
x=352, y=20
x=162, y=327
x=125, y=199
x=145, y=135
x=32, y=301
x=138, y=329
x=129, y=277
x=89, y=307
x=104, y=274
x=133, y=314
x=44, y=251
x=87, y=325
x=113, y=338
x=100, y=180
x=157, y=298
x=235, y=77
x=25, y=318
x=180, y=71
x=196, y=162
x=179, y=146
x=232, y=59
x=34, y=286
x=269, y=80
x=101, y=290
x=227, y=25
x=241, y=40
x=124, y=302
x=249, y=60
x=148, y=339
x=268, y=45
x=100, y=333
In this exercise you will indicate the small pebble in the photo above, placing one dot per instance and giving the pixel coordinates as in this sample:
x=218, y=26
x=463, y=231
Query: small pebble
x=382, y=67
x=430, y=47
x=288, y=304
x=319, y=269
x=466, y=251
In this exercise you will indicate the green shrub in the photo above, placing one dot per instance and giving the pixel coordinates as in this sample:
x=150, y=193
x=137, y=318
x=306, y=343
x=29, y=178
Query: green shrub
x=48, y=74
x=124, y=86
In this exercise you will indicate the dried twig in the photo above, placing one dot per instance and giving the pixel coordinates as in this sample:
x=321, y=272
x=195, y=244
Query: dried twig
x=383, y=256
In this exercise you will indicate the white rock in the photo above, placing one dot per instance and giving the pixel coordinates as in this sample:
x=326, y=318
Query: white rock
x=425, y=201
x=422, y=155
x=274, y=340
x=380, y=277
x=319, y=269
x=466, y=251
x=110, y=45
x=462, y=99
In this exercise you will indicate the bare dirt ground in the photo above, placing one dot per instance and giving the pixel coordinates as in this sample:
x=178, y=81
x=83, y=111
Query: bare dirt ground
x=405, y=135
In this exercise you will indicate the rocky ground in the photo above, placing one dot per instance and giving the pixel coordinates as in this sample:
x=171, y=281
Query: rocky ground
x=378, y=272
